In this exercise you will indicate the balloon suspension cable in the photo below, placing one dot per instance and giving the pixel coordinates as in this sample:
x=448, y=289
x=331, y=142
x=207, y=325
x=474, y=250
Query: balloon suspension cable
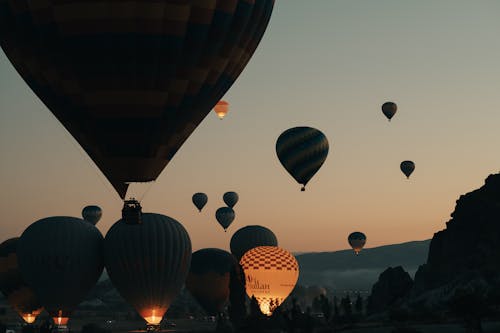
x=132, y=211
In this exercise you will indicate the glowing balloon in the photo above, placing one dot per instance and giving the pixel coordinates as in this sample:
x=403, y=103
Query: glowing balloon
x=407, y=167
x=200, y=200
x=221, y=109
x=225, y=216
x=60, y=257
x=20, y=297
x=92, y=214
x=131, y=80
x=389, y=109
x=302, y=151
x=209, y=278
x=271, y=274
x=148, y=263
x=357, y=240
x=249, y=237
x=230, y=199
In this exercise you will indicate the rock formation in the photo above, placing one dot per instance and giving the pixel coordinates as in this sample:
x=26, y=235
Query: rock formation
x=393, y=284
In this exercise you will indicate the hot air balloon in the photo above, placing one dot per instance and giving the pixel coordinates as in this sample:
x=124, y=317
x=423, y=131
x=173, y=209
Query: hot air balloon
x=221, y=109
x=357, y=240
x=407, y=167
x=20, y=297
x=271, y=274
x=249, y=237
x=230, y=199
x=60, y=257
x=92, y=214
x=131, y=80
x=302, y=151
x=200, y=200
x=148, y=263
x=225, y=216
x=209, y=278
x=389, y=109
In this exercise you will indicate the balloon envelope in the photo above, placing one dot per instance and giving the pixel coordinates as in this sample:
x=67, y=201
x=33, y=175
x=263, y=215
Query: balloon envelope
x=271, y=274
x=225, y=216
x=131, y=80
x=60, y=257
x=21, y=297
x=302, y=151
x=148, y=262
x=389, y=109
x=209, y=278
x=221, y=109
x=407, y=167
x=249, y=237
x=230, y=199
x=200, y=200
x=92, y=214
x=357, y=241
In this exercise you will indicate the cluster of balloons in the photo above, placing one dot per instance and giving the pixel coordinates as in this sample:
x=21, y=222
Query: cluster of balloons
x=224, y=215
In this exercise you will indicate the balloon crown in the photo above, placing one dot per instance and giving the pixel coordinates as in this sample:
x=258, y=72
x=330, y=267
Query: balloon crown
x=132, y=211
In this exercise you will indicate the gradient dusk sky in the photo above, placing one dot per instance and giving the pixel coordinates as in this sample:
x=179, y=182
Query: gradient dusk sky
x=325, y=64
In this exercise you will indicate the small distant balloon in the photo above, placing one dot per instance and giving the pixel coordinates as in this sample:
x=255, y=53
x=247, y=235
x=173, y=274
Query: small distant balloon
x=225, y=216
x=389, y=109
x=407, y=167
x=92, y=214
x=357, y=240
x=302, y=151
x=200, y=200
x=230, y=199
x=221, y=109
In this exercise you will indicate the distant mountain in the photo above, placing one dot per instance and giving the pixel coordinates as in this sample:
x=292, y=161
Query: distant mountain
x=343, y=270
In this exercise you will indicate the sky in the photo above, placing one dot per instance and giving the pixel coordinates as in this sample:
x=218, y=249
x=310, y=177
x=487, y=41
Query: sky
x=326, y=64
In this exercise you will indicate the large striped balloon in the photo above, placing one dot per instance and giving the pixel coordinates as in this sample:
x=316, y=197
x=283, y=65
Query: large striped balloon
x=148, y=263
x=302, y=151
x=131, y=80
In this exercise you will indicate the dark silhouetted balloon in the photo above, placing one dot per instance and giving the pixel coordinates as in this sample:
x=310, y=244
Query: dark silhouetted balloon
x=230, y=199
x=200, y=200
x=20, y=297
x=60, y=257
x=225, y=216
x=209, y=278
x=407, y=167
x=221, y=109
x=92, y=214
x=302, y=151
x=131, y=80
x=389, y=109
x=357, y=240
x=249, y=237
x=148, y=263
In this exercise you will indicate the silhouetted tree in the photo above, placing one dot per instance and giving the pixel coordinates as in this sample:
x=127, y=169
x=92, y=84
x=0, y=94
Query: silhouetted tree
x=345, y=304
x=3, y=327
x=237, y=297
x=336, y=311
x=326, y=306
x=359, y=304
